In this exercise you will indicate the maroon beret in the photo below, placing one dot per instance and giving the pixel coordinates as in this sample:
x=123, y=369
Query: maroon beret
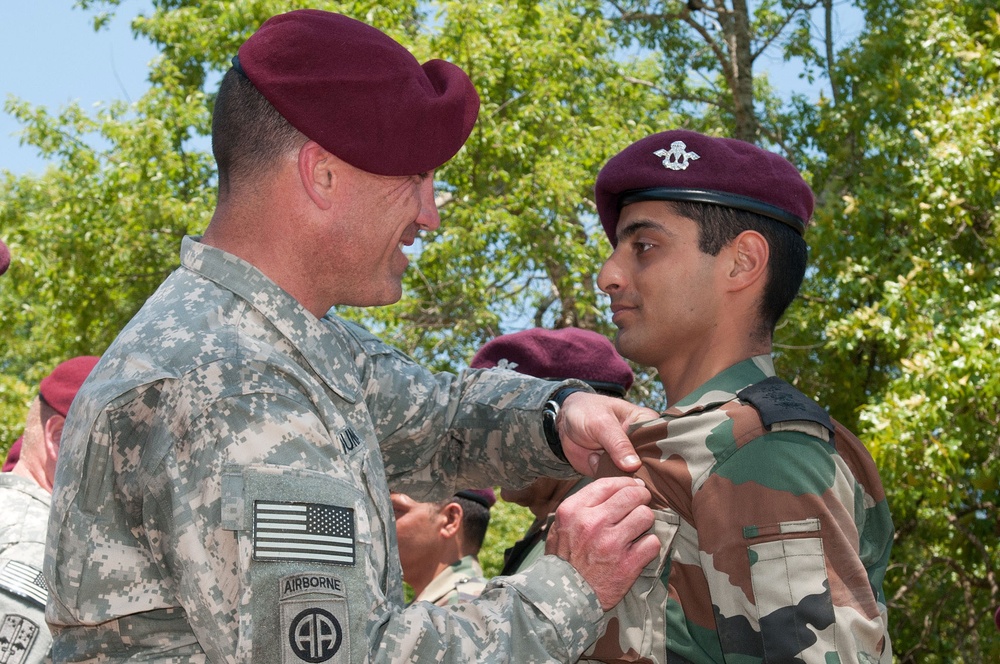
x=557, y=355
x=59, y=387
x=681, y=165
x=485, y=497
x=358, y=93
x=13, y=454
x=4, y=257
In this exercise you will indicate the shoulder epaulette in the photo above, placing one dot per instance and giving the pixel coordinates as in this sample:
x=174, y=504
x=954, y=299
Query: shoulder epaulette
x=778, y=401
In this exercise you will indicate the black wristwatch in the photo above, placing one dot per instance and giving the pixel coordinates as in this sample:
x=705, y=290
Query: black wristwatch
x=550, y=414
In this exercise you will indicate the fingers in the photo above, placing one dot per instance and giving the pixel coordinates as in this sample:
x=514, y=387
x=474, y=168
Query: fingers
x=591, y=425
x=618, y=447
x=603, y=531
x=619, y=492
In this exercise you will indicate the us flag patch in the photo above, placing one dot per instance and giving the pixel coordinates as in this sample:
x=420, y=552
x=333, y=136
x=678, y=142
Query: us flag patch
x=303, y=532
x=24, y=580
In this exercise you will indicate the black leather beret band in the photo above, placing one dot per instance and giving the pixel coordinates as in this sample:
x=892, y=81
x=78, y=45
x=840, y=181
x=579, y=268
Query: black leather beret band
x=718, y=198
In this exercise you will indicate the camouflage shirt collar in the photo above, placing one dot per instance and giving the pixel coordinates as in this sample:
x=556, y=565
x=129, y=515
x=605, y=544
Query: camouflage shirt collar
x=311, y=336
x=723, y=387
x=460, y=571
x=12, y=482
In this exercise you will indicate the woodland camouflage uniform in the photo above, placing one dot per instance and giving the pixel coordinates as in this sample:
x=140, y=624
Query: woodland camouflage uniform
x=775, y=528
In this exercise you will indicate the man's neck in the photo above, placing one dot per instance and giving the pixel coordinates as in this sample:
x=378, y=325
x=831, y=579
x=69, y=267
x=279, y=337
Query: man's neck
x=681, y=375
x=23, y=469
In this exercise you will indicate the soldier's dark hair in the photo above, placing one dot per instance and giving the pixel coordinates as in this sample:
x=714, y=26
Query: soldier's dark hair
x=719, y=225
x=475, y=520
x=248, y=133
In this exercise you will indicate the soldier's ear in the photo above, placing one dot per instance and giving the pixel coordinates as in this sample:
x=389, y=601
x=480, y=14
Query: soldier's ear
x=747, y=257
x=318, y=173
x=53, y=429
x=451, y=520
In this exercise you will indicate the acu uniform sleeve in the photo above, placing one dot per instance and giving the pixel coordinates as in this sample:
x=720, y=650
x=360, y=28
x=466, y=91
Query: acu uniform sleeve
x=439, y=431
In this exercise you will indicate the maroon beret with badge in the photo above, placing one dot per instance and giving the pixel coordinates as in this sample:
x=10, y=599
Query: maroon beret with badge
x=682, y=165
x=60, y=387
x=557, y=355
x=485, y=497
x=360, y=94
x=4, y=257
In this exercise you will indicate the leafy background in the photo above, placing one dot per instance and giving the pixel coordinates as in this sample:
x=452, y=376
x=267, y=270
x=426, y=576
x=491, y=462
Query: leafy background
x=897, y=326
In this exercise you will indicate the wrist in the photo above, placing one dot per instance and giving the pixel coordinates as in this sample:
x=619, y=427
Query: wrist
x=550, y=420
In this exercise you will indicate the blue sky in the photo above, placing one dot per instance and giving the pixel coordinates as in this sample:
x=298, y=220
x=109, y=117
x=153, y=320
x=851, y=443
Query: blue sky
x=51, y=56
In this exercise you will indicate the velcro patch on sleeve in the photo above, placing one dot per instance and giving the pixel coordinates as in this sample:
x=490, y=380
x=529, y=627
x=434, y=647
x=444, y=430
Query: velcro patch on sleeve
x=314, y=622
x=17, y=634
x=303, y=532
x=24, y=580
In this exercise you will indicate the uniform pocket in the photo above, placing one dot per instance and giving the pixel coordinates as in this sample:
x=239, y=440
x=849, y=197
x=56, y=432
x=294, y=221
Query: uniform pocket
x=791, y=589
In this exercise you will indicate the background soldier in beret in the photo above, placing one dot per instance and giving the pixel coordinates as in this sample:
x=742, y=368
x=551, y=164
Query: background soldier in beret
x=773, y=518
x=223, y=489
x=439, y=544
x=25, y=491
x=561, y=354
x=4, y=257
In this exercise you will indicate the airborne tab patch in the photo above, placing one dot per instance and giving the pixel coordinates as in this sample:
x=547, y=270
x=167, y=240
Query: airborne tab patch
x=314, y=619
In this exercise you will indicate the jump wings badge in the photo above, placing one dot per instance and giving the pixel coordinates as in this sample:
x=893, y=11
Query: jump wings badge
x=677, y=157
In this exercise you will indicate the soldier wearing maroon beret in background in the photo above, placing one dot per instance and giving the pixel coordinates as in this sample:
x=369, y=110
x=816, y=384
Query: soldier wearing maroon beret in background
x=222, y=493
x=774, y=524
x=25, y=492
x=561, y=354
x=439, y=544
x=4, y=257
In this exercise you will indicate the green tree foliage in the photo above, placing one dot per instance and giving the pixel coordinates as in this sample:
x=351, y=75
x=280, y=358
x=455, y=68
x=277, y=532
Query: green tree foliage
x=904, y=312
x=897, y=326
x=92, y=238
x=508, y=522
x=709, y=50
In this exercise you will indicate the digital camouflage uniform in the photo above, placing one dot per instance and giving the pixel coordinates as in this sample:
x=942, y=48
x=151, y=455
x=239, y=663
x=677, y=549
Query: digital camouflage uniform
x=24, y=513
x=776, y=533
x=222, y=492
x=462, y=581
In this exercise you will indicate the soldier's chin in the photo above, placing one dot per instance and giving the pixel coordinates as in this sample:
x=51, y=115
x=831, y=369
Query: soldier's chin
x=627, y=347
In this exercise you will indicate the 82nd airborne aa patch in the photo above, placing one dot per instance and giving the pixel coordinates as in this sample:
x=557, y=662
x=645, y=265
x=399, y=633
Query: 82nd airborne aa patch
x=314, y=622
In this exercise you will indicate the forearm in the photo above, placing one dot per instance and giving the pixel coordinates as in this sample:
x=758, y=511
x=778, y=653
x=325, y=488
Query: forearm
x=479, y=428
x=547, y=613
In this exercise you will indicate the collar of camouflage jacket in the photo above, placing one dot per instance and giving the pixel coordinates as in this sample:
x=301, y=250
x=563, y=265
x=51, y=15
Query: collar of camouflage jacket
x=318, y=340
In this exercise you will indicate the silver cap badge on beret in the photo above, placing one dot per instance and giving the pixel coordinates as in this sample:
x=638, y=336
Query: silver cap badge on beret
x=677, y=157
